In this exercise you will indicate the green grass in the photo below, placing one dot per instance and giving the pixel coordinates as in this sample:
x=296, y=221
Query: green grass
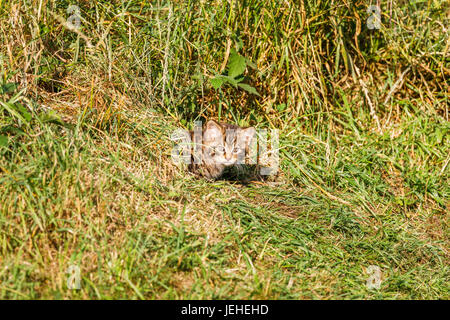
x=86, y=177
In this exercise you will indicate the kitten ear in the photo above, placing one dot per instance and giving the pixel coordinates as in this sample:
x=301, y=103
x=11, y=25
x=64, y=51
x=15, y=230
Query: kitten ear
x=213, y=130
x=248, y=134
x=212, y=124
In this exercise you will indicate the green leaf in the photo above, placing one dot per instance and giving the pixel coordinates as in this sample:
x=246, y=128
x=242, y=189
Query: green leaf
x=3, y=141
x=248, y=88
x=217, y=82
x=236, y=64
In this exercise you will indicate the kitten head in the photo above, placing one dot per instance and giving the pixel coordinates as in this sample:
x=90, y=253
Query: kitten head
x=226, y=144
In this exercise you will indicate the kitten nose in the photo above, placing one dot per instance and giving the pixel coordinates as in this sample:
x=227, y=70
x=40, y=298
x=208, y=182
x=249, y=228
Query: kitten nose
x=228, y=156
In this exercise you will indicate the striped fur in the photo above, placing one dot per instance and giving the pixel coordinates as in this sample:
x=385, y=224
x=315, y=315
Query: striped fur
x=223, y=146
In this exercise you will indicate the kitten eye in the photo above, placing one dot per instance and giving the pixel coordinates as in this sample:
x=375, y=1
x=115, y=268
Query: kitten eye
x=219, y=149
x=236, y=150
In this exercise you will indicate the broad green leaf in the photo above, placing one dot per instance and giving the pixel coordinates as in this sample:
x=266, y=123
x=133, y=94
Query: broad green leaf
x=217, y=82
x=236, y=64
x=248, y=88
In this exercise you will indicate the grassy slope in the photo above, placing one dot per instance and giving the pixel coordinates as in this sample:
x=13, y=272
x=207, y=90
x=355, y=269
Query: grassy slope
x=98, y=189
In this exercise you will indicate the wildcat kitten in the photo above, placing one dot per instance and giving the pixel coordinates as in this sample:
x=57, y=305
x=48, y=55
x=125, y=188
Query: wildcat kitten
x=223, y=146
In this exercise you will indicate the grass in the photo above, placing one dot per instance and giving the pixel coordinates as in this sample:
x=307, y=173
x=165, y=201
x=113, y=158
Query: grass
x=86, y=177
